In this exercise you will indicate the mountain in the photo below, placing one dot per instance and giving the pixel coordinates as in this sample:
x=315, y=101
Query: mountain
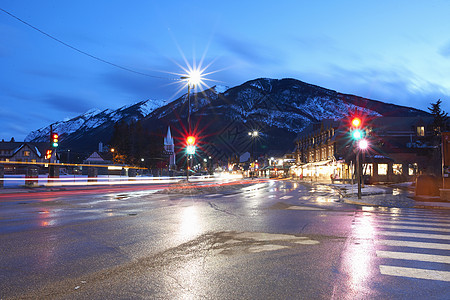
x=277, y=109
x=221, y=118
x=84, y=132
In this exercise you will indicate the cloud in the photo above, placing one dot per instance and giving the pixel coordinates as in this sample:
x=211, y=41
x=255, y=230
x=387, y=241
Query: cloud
x=66, y=103
x=51, y=74
x=445, y=50
x=397, y=86
x=141, y=87
x=250, y=52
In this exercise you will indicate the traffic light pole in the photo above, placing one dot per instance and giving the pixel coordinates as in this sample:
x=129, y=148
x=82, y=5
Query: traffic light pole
x=358, y=173
x=187, y=167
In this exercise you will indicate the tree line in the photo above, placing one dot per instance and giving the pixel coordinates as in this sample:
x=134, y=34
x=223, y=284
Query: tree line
x=134, y=144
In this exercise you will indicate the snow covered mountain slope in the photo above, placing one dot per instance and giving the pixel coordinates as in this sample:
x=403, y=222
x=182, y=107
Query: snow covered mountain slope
x=94, y=120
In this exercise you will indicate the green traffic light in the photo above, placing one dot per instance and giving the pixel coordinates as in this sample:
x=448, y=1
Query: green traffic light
x=357, y=134
x=55, y=145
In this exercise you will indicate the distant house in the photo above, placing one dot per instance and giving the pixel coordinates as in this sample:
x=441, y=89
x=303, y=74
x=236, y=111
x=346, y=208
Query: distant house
x=99, y=158
x=16, y=155
x=399, y=149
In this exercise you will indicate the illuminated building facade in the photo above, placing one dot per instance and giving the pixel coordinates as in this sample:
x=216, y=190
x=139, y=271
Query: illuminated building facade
x=399, y=149
x=21, y=153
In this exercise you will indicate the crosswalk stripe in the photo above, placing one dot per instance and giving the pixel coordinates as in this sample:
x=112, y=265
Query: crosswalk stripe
x=414, y=256
x=412, y=218
x=415, y=273
x=286, y=197
x=414, y=228
x=438, y=246
x=416, y=223
x=416, y=235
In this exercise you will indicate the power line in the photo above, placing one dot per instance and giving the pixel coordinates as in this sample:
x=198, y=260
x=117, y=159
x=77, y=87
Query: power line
x=83, y=52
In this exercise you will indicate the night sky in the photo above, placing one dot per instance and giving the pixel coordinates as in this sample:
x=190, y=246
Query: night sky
x=393, y=51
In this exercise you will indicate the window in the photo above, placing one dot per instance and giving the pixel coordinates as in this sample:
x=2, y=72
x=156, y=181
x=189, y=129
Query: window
x=412, y=169
x=382, y=169
x=421, y=130
x=397, y=169
x=368, y=169
x=26, y=153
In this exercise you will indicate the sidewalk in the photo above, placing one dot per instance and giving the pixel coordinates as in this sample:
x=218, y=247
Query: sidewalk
x=401, y=196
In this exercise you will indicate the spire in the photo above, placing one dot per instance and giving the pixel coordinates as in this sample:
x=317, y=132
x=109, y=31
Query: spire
x=168, y=140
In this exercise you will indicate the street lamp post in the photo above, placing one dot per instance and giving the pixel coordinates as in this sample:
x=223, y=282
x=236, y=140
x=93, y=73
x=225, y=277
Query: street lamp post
x=193, y=78
x=253, y=134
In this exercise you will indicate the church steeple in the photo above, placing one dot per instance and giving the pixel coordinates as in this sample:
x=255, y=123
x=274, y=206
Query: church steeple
x=169, y=148
x=168, y=140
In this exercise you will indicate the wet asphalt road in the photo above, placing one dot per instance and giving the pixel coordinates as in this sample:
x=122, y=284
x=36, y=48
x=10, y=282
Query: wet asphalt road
x=272, y=240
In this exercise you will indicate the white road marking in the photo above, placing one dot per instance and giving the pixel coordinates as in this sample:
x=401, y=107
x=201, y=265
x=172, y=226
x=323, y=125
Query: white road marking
x=414, y=244
x=413, y=218
x=416, y=235
x=417, y=223
x=213, y=195
x=286, y=197
x=414, y=256
x=414, y=228
x=415, y=273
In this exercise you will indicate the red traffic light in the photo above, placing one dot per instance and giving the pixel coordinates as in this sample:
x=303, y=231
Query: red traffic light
x=48, y=154
x=356, y=122
x=190, y=140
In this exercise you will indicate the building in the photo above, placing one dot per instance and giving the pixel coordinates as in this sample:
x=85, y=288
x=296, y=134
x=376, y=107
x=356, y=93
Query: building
x=17, y=156
x=399, y=149
x=169, y=150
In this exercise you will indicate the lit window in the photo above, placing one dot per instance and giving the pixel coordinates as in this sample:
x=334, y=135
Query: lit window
x=382, y=169
x=421, y=130
x=412, y=169
x=26, y=153
x=368, y=169
x=397, y=169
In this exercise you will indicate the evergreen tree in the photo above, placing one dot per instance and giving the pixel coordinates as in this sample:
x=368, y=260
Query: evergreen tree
x=440, y=122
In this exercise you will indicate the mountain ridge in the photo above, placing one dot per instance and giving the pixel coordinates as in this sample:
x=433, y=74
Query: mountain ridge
x=278, y=108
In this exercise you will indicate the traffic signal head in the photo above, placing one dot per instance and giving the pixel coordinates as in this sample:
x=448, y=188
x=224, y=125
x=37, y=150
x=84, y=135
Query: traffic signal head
x=48, y=154
x=190, y=140
x=363, y=144
x=55, y=138
x=356, y=122
x=190, y=149
x=357, y=134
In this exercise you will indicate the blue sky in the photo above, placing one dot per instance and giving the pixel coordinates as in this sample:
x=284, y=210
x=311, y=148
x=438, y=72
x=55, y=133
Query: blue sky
x=393, y=51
